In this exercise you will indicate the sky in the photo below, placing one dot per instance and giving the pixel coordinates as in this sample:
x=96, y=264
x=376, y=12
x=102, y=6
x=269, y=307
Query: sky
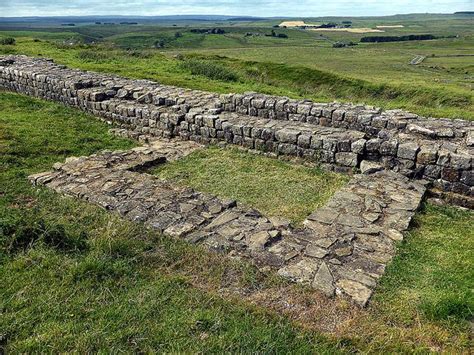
x=263, y=8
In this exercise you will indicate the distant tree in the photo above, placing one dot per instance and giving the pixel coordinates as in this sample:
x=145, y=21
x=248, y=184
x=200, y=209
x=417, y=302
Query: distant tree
x=7, y=41
x=328, y=25
x=421, y=37
x=178, y=35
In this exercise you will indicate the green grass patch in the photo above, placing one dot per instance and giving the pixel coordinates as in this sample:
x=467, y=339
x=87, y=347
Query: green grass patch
x=208, y=69
x=274, y=187
x=442, y=241
x=278, y=71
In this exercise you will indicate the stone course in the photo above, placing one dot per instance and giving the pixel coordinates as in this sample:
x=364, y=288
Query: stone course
x=339, y=136
x=343, y=247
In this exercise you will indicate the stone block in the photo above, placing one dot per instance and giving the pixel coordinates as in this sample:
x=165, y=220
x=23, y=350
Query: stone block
x=304, y=141
x=408, y=151
x=427, y=155
x=287, y=135
x=389, y=147
x=373, y=145
x=347, y=159
x=287, y=149
x=358, y=146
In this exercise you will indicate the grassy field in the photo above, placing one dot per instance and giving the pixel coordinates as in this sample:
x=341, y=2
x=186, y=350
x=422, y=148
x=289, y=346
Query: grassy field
x=304, y=65
x=274, y=187
x=77, y=278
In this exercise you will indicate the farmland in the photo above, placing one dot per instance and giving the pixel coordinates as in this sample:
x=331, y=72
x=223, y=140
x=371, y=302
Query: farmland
x=374, y=73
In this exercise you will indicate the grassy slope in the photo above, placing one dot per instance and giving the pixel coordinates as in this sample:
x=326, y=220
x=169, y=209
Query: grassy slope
x=345, y=75
x=78, y=278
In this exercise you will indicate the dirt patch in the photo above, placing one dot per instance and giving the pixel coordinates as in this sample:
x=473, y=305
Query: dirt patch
x=296, y=24
x=390, y=26
x=351, y=30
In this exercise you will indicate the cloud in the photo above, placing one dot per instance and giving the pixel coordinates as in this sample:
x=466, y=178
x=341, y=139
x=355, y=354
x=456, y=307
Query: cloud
x=305, y=8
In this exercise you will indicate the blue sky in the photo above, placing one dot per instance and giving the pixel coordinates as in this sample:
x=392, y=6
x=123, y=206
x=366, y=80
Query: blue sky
x=307, y=8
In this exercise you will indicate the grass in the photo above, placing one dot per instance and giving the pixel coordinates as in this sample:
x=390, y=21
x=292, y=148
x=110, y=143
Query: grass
x=274, y=187
x=376, y=74
x=208, y=69
x=442, y=241
x=76, y=278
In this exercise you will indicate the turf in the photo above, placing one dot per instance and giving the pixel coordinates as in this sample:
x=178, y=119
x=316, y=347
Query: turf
x=274, y=187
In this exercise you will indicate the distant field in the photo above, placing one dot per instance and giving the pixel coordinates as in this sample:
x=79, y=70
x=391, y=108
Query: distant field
x=303, y=65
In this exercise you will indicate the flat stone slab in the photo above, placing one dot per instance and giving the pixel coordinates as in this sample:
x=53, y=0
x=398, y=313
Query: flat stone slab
x=343, y=247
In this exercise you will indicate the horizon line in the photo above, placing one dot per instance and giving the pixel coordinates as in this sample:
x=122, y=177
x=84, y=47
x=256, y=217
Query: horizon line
x=244, y=16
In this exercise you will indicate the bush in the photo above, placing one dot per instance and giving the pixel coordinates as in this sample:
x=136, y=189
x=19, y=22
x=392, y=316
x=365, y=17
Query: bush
x=7, y=41
x=208, y=69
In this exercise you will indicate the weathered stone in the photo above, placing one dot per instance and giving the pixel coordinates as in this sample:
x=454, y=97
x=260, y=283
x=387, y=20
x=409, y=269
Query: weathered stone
x=287, y=136
x=316, y=251
x=420, y=130
x=344, y=251
x=394, y=234
x=302, y=272
x=427, y=155
x=370, y=167
x=324, y=215
x=323, y=280
x=358, y=146
x=324, y=242
x=223, y=218
x=408, y=151
x=359, y=293
x=347, y=159
x=389, y=147
x=470, y=138
x=279, y=222
x=259, y=240
x=179, y=230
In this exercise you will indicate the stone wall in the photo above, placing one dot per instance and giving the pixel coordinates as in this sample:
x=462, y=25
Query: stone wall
x=340, y=136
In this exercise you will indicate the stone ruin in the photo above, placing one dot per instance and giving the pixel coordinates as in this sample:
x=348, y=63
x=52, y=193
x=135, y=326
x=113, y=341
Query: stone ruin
x=395, y=158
